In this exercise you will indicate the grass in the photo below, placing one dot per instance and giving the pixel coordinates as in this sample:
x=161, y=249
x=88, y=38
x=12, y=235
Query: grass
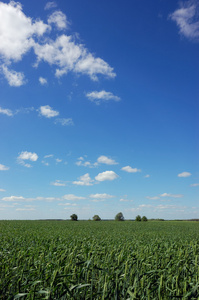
x=99, y=260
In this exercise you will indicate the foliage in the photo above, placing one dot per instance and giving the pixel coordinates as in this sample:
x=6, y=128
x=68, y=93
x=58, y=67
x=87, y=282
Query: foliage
x=138, y=218
x=144, y=219
x=119, y=217
x=96, y=218
x=99, y=260
x=74, y=217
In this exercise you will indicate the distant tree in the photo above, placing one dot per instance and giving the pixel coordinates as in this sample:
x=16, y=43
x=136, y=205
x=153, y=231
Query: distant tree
x=144, y=219
x=73, y=217
x=96, y=218
x=119, y=217
x=138, y=218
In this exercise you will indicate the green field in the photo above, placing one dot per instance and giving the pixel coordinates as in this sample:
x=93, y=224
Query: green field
x=99, y=260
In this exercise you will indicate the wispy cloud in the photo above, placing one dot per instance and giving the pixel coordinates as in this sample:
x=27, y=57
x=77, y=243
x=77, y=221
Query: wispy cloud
x=194, y=184
x=101, y=96
x=71, y=197
x=58, y=183
x=171, y=195
x=64, y=121
x=6, y=111
x=3, y=168
x=187, y=20
x=50, y=5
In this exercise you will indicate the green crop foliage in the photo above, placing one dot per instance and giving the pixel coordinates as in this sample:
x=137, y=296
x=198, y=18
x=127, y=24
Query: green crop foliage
x=99, y=260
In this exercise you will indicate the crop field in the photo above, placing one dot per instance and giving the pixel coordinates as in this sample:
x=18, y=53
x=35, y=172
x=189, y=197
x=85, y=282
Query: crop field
x=99, y=260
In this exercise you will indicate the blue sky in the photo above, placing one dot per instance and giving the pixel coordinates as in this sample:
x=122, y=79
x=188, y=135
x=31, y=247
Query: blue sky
x=99, y=109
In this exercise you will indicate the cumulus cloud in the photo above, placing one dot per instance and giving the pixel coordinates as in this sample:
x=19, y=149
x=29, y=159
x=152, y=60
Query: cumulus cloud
x=17, y=33
x=14, y=78
x=130, y=169
x=6, y=112
x=71, y=197
x=2, y=190
x=186, y=18
x=43, y=81
x=64, y=121
x=84, y=180
x=13, y=198
x=48, y=112
x=107, y=175
x=171, y=195
x=101, y=96
x=184, y=174
x=25, y=155
x=59, y=19
x=3, y=168
x=105, y=160
x=21, y=34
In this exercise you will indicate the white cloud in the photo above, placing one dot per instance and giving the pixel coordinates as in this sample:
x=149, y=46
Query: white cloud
x=184, y=174
x=58, y=183
x=147, y=176
x=6, y=112
x=14, y=78
x=13, y=198
x=68, y=204
x=45, y=163
x=3, y=168
x=101, y=196
x=64, y=122
x=105, y=160
x=59, y=19
x=43, y=80
x=48, y=156
x=25, y=155
x=66, y=55
x=2, y=190
x=186, y=18
x=17, y=31
x=194, y=184
x=98, y=97
x=84, y=180
x=58, y=160
x=48, y=112
x=171, y=195
x=153, y=198
x=71, y=197
x=50, y=5
x=107, y=175
x=25, y=209
x=130, y=169
x=20, y=34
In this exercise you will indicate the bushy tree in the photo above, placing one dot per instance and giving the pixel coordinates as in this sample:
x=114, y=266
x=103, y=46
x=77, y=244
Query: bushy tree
x=144, y=219
x=73, y=217
x=138, y=218
x=119, y=217
x=96, y=218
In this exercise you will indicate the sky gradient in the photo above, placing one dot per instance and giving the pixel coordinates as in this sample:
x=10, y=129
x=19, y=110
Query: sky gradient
x=99, y=109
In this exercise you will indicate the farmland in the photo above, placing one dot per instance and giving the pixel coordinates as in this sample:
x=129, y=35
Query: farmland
x=99, y=260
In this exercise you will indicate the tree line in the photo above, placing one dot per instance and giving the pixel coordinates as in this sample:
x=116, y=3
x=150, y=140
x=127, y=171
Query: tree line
x=118, y=217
